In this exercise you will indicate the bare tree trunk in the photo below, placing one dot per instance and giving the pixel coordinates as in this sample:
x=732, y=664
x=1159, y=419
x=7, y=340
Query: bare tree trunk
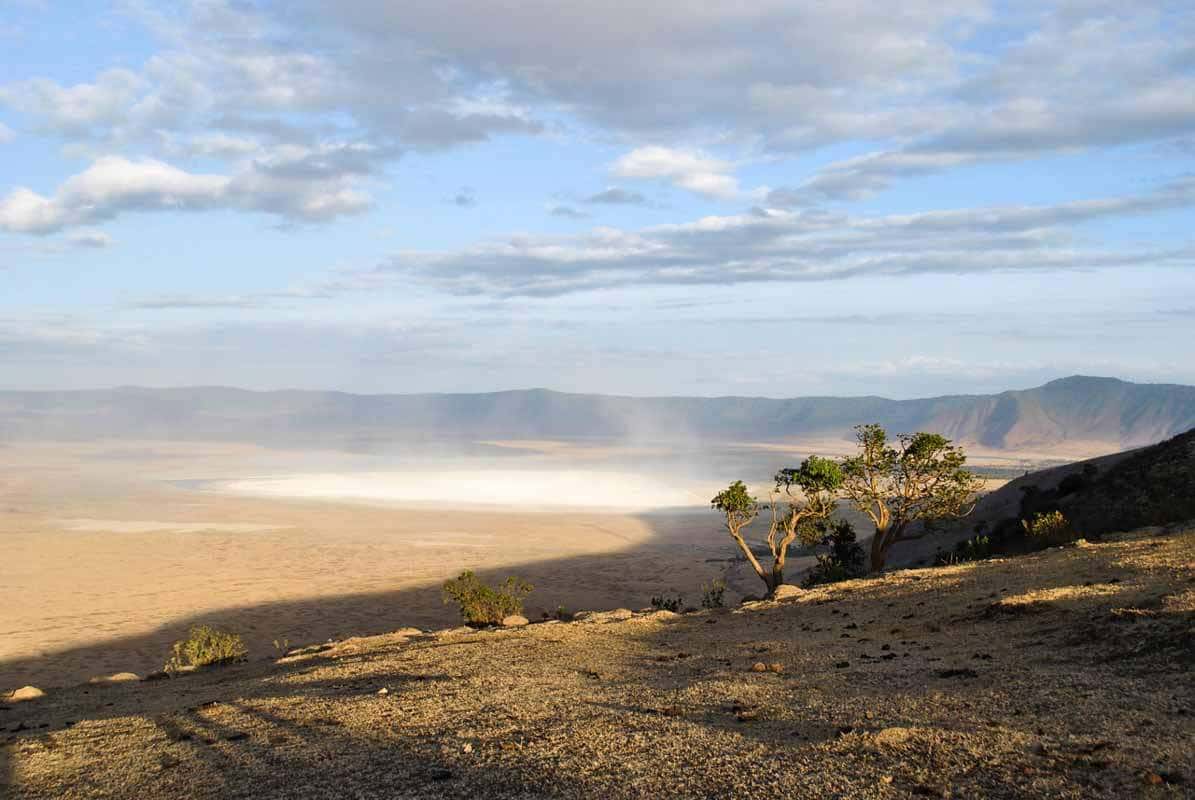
x=751, y=559
x=879, y=549
x=777, y=577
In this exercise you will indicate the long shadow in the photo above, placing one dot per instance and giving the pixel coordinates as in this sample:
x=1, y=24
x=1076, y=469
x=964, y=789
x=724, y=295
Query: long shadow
x=668, y=685
x=658, y=561
x=655, y=561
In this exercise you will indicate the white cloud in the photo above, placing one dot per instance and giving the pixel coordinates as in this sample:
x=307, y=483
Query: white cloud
x=689, y=169
x=113, y=185
x=781, y=246
x=79, y=108
x=7, y=134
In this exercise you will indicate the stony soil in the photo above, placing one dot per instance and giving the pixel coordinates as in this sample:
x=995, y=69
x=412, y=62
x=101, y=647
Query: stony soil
x=1063, y=674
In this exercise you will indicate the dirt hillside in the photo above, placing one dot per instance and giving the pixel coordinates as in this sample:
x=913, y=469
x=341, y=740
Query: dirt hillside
x=1061, y=674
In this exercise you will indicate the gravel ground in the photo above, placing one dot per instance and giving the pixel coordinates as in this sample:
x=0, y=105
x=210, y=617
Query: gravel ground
x=1063, y=674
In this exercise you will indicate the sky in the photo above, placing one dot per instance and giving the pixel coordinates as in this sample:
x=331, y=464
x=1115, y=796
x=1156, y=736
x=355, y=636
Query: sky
x=648, y=198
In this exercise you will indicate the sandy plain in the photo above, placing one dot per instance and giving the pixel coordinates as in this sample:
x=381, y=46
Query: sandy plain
x=112, y=550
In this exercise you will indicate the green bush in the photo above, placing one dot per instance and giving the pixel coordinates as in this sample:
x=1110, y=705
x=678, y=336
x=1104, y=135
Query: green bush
x=483, y=605
x=667, y=602
x=1049, y=528
x=205, y=646
x=977, y=548
x=843, y=561
x=561, y=613
x=712, y=593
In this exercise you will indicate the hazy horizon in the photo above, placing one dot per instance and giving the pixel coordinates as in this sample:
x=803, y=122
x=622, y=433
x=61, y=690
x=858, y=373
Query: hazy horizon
x=524, y=389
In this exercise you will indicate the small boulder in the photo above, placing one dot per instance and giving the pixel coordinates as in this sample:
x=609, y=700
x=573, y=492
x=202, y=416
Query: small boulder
x=663, y=613
x=776, y=667
x=759, y=666
x=786, y=591
x=119, y=677
x=408, y=632
x=26, y=693
x=514, y=621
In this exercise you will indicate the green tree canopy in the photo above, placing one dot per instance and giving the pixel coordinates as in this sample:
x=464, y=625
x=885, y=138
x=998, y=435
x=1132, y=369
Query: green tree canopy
x=919, y=478
x=800, y=495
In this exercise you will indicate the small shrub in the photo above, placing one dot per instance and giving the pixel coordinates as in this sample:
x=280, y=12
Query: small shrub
x=1049, y=528
x=667, y=603
x=712, y=594
x=206, y=646
x=561, y=613
x=483, y=605
x=977, y=548
x=845, y=558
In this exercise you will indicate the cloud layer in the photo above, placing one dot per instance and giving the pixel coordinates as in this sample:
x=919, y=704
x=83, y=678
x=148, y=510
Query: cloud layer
x=768, y=245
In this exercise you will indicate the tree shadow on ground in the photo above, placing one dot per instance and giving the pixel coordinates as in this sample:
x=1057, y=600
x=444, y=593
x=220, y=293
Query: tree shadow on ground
x=667, y=692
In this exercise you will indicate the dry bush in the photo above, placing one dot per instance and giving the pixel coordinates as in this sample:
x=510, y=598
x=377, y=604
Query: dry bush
x=205, y=646
x=483, y=605
x=1050, y=528
x=712, y=594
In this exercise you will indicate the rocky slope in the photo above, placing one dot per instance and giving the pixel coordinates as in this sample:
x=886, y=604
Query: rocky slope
x=1060, y=674
x=1152, y=485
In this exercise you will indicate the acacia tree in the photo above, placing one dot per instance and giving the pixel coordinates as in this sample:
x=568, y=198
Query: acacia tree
x=807, y=493
x=920, y=479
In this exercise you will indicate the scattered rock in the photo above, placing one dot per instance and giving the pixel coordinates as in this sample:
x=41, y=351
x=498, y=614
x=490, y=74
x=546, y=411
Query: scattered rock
x=894, y=737
x=408, y=632
x=119, y=677
x=745, y=713
x=1153, y=779
x=786, y=591
x=383, y=691
x=841, y=664
x=617, y=615
x=26, y=693
x=440, y=774
x=236, y=736
x=157, y=675
x=759, y=666
x=309, y=650
x=776, y=667
x=460, y=630
x=663, y=613
x=514, y=621
x=964, y=672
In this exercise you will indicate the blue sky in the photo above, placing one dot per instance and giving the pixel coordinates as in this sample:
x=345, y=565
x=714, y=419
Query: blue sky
x=775, y=198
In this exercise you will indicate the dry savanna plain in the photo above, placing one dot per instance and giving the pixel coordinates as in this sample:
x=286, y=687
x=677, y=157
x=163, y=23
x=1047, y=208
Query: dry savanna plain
x=112, y=550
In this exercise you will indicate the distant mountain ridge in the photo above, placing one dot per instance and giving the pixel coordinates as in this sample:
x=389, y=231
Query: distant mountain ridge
x=1078, y=408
